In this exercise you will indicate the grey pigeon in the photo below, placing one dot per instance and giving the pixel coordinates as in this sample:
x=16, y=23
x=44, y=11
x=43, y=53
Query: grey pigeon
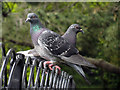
x=73, y=30
x=51, y=46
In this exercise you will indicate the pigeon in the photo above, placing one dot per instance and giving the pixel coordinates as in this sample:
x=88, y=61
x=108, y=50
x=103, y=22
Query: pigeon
x=51, y=46
x=74, y=29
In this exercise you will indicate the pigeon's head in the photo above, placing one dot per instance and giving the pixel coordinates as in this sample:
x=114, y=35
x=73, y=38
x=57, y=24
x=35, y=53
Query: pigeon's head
x=32, y=18
x=76, y=28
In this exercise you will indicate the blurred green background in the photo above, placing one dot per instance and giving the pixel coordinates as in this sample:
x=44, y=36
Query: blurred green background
x=98, y=20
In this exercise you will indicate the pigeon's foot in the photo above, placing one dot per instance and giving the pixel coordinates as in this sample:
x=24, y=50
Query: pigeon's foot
x=56, y=67
x=47, y=63
x=51, y=64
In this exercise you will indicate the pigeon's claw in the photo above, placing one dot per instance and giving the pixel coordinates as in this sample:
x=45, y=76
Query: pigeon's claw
x=51, y=65
x=47, y=63
x=56, y=68
x=59, y=69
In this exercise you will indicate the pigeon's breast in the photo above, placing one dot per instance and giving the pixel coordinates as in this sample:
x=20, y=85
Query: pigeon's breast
x=35, y=35
x=44, y=53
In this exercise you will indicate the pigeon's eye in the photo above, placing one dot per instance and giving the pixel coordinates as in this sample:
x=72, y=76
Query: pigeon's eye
x=33, y=16
x=77, y=27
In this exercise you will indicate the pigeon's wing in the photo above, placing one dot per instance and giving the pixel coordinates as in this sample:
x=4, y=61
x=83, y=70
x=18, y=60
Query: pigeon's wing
x=56, y=45
x=79, y=60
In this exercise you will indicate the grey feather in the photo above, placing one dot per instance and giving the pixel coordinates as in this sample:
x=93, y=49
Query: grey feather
x=57, y=45
x=70, y=36
x=79, y=71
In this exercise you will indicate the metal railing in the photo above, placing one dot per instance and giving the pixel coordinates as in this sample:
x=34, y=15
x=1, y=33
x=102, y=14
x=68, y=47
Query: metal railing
x=20, y=72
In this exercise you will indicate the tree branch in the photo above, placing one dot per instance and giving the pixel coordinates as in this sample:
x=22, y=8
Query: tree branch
x=104, y=65
x=18, y=43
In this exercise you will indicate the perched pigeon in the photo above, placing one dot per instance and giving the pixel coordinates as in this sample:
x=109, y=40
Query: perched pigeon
x=73, y=30
x=51, y=46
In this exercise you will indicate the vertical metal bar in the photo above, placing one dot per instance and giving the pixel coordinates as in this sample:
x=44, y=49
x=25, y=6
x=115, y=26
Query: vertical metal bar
x=51, y=77
x=5, y=65
x=5, y=77
x=13, y=58
x=34, y=64
x=63, y=83
x=66, y=81
x=38, y=74
x=55, y=78
x=5, y=72
x=61, y=79
x=32, y=81
x=47, y=79
x=24, y=75
x=57, y=83
x=31, y=74
x=68, y=84
x=43, y=78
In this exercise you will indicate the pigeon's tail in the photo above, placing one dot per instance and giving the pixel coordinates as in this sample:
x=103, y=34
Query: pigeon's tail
x=80, y=71
x=79, y=60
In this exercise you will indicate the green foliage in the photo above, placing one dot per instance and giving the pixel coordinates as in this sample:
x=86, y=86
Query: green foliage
x=99, y=21
x=8, y=7
x=0, y=58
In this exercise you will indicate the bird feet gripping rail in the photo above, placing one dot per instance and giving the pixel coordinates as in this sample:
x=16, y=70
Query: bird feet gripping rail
x=51, y=65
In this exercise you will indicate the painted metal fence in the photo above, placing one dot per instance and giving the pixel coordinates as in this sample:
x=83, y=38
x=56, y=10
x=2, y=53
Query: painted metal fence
x=20, y=72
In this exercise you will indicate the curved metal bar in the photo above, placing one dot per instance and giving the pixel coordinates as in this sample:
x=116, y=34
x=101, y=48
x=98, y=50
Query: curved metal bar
x=68, y=84
x=58, y=80
x=66, y=81
x=51, y=77
x=43, y=77
x=38, y=74
x=47, y=78
x=55, y=78
x=61, y=79
x=31, y=73
x=24, y=76
x=5, y=72
x=11, y=51
x=64, y=78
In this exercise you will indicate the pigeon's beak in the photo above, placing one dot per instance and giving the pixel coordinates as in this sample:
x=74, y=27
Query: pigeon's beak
x=28, y=19
x=82, y=31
